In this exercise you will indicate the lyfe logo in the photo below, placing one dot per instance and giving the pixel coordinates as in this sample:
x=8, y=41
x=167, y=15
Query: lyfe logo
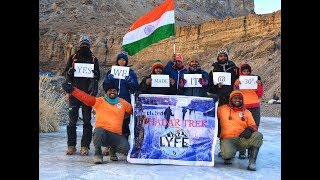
x=174, y=142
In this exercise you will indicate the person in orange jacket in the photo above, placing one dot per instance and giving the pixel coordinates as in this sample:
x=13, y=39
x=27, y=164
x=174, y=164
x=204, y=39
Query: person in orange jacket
x=110, y=111
x=251, y=97
x=238, y=130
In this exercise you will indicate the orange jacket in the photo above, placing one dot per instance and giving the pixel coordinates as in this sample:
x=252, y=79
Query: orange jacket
x=108, y=116
x=234, y=126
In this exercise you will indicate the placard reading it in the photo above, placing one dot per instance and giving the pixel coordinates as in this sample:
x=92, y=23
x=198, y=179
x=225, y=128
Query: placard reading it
x=120, y=72
x=160, y=80
x=83, y=70
x=223, y=77
x=248, y=82
x=192, y=80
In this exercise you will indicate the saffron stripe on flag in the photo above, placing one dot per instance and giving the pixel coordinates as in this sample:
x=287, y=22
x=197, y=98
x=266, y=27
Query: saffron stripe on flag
x=142, y=31
x=154, y=14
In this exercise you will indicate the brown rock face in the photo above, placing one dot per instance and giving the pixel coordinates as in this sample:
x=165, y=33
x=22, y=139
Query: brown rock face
x=252, y=38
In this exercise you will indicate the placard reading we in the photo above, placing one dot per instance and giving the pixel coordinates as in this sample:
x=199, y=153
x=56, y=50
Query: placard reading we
x=120, y=72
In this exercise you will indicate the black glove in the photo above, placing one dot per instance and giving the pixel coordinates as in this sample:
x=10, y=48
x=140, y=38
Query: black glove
x=70, y=74
x=93, y=87
x=95, y=74
x=67, y=86
x=247, y=132
x=214, y=96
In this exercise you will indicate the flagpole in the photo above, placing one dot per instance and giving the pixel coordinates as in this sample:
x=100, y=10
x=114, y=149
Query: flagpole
x=174, y=44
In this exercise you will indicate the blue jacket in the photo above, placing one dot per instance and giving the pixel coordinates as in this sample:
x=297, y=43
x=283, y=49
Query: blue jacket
x=125, y=88
x=198, y=91
x=176, y=75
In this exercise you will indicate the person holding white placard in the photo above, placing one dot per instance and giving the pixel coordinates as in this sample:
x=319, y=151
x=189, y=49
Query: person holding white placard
x=127, y=86
x=195, y=68
x=145, y=86
x=175, y=69
x=82, y=70
x=251, y=97
x=223, y=64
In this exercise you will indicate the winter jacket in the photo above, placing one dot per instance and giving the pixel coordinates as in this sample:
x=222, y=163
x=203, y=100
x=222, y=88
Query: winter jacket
x=108, y=116
x=231, y=122
x=147, y=89
x=82, y=82
x=125, y=88
x=251, y=96
x=197, y=91
x=225, y=91
x=175, y=74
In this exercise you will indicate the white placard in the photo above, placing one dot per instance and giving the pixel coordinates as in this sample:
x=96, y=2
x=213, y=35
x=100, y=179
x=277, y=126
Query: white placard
x=120, y=72
x=248, y=82
x=223, y=77
x=192, y=80
x=160, y=80
x=83, y=70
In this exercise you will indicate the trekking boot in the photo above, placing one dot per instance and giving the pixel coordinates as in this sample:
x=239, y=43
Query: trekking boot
x=252, y=159
x=242, y=154
x=113, y=155
x=97, y=158
x=71, y=150
x=228, y=161
x=106, y=151
x=84, y=151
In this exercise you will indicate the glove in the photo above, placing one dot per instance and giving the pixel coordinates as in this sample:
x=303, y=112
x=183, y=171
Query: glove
x=247, y=132
x=182, y=82
x=95, y=74
x=203, y=81
x=128, y=79
x=67, y=86
x=110, y=77
x=93, y=87
x=214, y=96
x=70, y=74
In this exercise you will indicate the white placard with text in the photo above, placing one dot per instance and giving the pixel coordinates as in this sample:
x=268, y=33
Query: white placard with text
x=248, y=82
x=120, y=72
x=192, y=80
x=83, y=70
x=223, y=77
x=160, y=80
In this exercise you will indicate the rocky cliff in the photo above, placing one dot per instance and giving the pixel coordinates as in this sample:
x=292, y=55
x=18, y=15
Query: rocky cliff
x=252, y=38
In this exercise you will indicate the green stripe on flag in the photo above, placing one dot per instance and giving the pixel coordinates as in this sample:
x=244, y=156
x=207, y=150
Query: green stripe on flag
x=159, y=34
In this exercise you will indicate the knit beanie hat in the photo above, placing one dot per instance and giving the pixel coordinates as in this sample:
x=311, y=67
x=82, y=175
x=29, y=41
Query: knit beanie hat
x=124, y=56
x=179, y=57
x=107, y=86
x=234, y=93
x=157, y=63
x=85, y=40
x=245, y=66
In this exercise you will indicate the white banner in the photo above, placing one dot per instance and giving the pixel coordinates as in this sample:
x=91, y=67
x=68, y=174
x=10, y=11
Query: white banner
x=83, y=70
x=160, y=80
x=248, y=82
x=223, y=77
x=192, y=80
x=120, y=72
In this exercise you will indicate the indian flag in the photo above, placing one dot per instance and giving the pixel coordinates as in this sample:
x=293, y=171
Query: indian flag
x=154, y=26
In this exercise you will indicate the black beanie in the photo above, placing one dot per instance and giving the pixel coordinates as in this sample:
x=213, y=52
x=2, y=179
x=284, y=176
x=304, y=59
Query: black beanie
x=107, y=86
x=245, y=66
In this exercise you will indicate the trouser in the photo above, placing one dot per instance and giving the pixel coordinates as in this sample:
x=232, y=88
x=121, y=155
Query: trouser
x=74, y=105
x=125, y=125
x=256, y=114
x=230, y=146
x=102, y=137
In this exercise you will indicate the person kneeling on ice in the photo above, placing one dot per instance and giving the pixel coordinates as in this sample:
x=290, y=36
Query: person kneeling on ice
x=238, y=130
x=110, y=111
